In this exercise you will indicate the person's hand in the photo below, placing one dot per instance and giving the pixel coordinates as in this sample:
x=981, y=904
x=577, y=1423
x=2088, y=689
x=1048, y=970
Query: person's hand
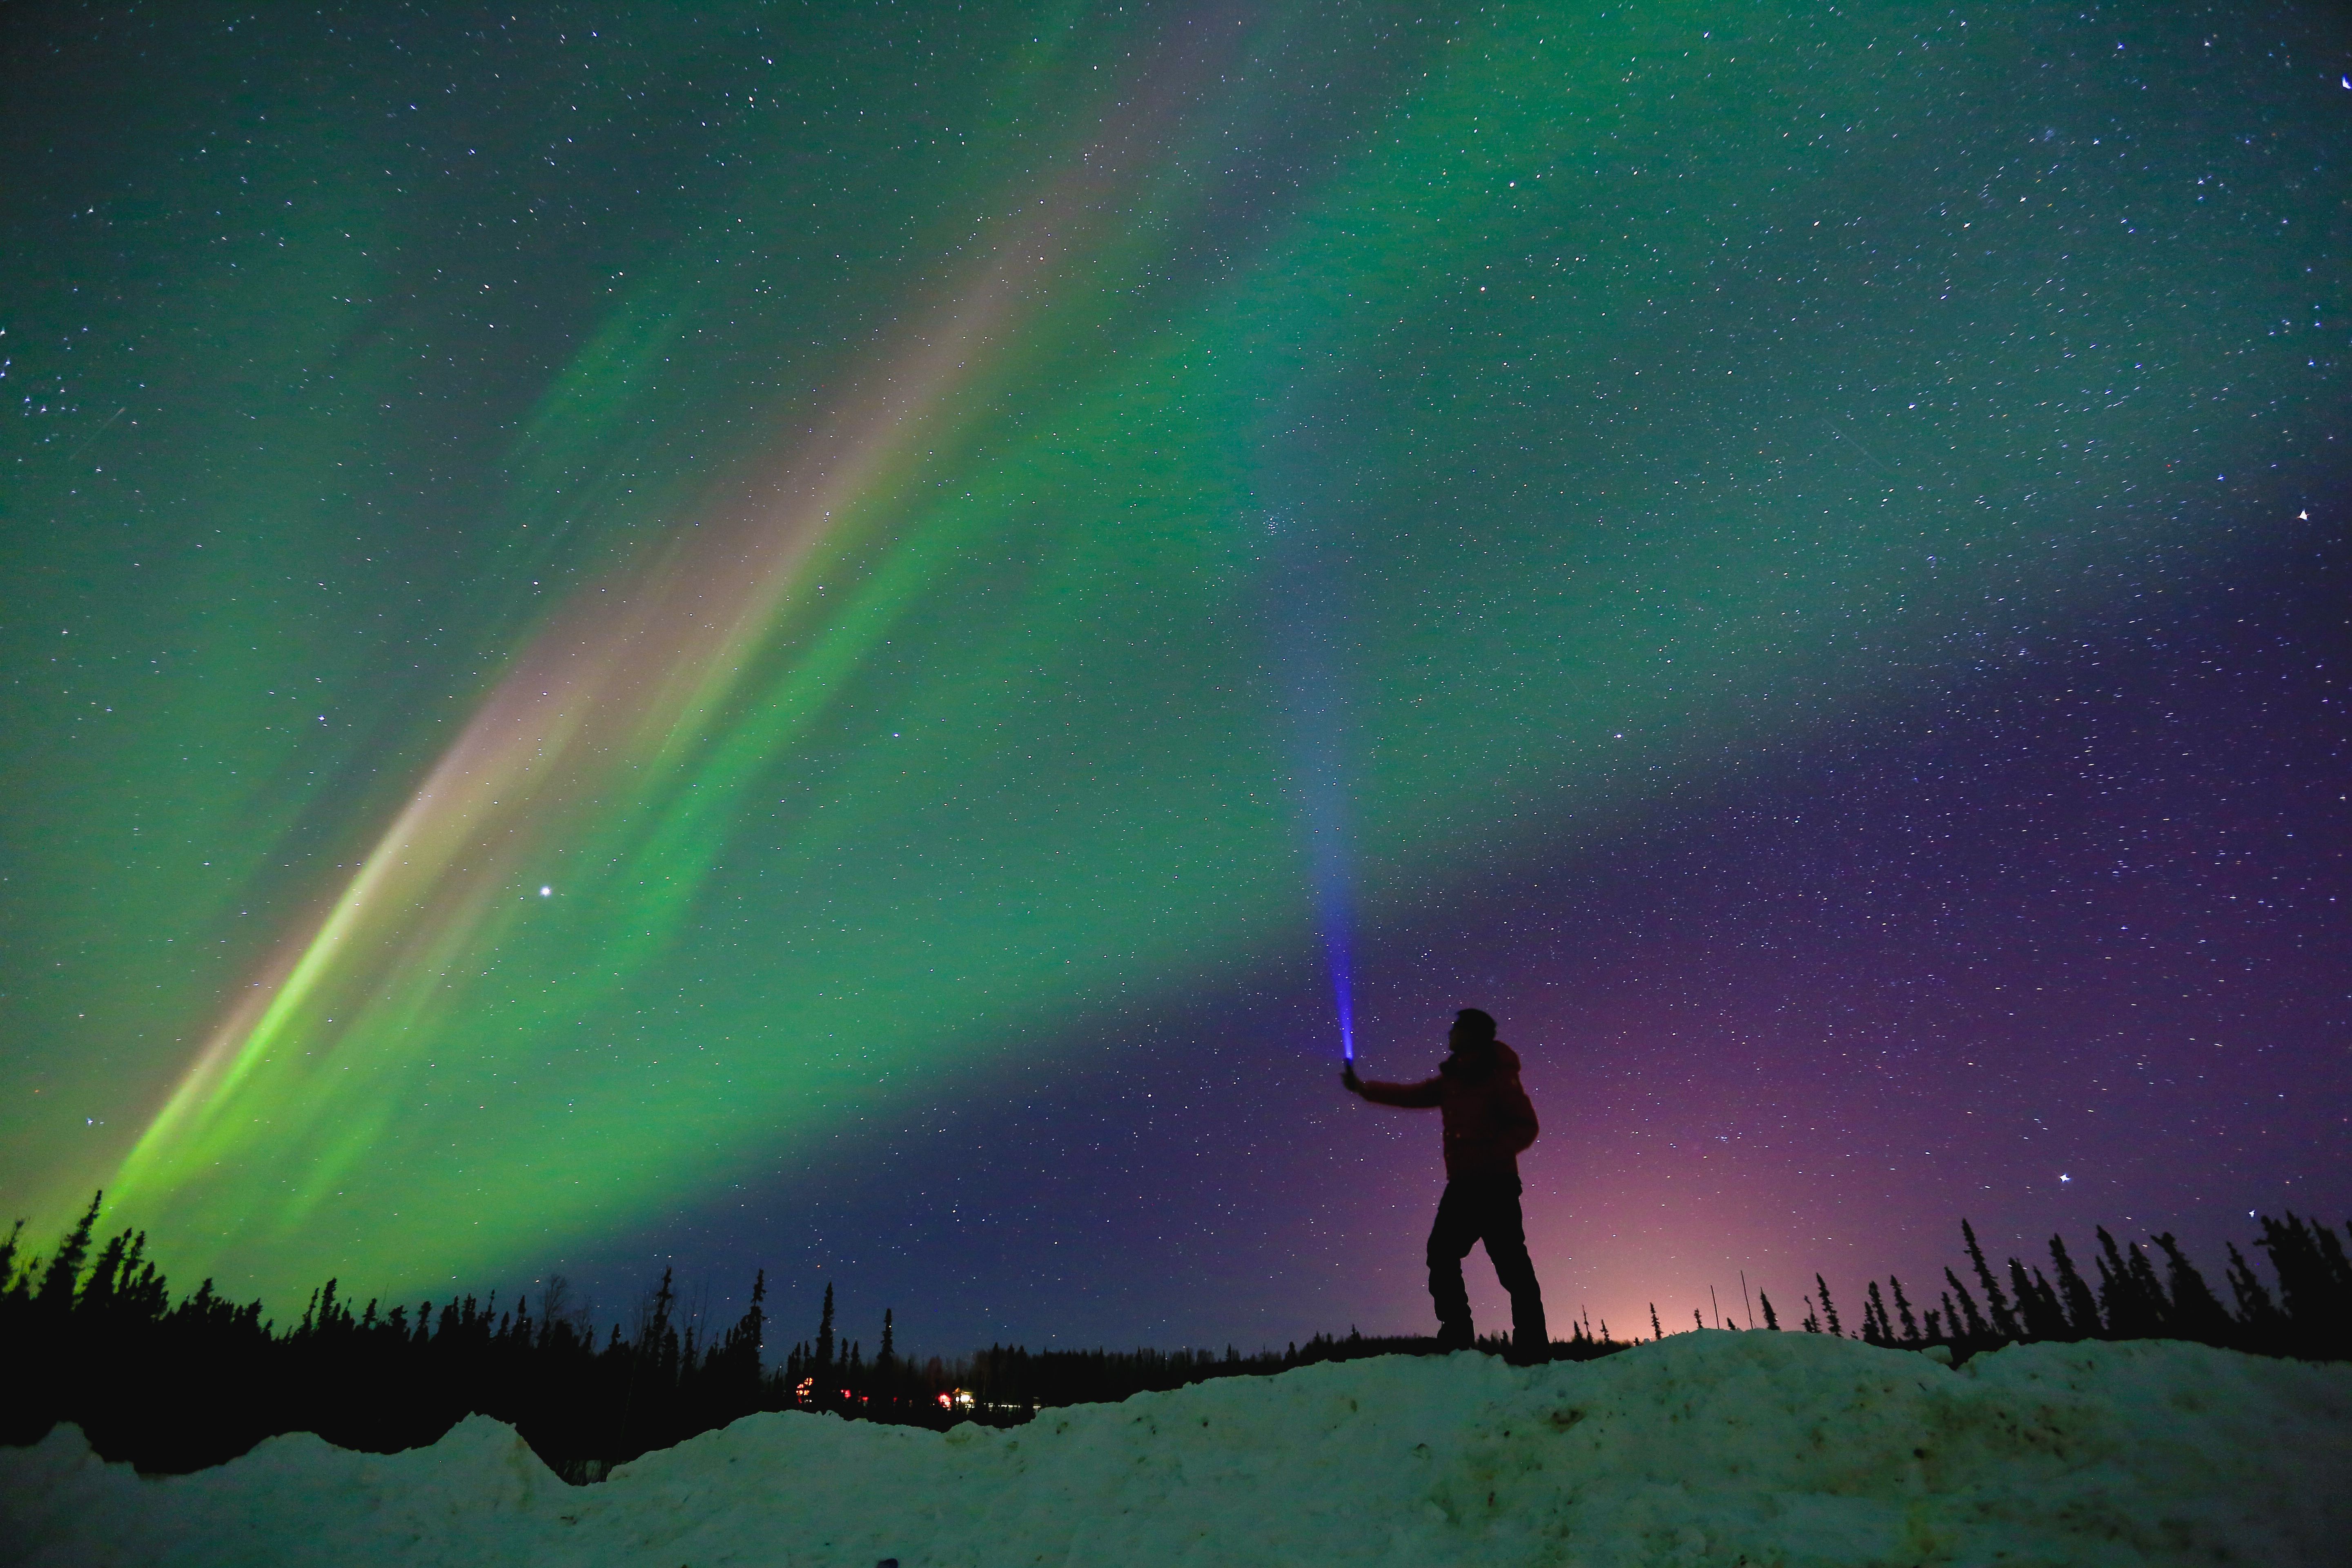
x=1348, y=1080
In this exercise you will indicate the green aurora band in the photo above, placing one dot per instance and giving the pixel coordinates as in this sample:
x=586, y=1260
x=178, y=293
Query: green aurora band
x=1679, y=378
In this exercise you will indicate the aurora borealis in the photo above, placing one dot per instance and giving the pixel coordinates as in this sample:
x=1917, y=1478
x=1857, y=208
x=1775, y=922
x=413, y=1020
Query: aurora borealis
x=785, y=635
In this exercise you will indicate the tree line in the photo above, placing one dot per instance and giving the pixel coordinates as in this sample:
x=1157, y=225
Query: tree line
x=94, y=1337
x=2308, y=1315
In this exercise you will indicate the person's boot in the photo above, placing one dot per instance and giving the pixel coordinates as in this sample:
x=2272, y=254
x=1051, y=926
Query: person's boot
x=1454, y=1337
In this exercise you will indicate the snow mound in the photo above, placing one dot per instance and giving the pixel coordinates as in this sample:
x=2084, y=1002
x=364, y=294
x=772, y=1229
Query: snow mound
x=1707, y=1449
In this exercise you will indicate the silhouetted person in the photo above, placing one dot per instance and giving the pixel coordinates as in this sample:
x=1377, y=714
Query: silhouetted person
x=1487, y=1122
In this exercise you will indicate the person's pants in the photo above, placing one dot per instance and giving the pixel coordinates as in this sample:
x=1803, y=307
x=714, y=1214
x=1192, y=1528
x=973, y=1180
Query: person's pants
x=1486, y=1209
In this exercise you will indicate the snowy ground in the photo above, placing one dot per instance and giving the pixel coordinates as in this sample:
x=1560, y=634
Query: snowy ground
x=1728, y=1448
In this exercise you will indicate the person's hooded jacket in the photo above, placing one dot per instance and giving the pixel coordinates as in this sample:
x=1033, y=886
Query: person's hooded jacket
x=1488, y=1118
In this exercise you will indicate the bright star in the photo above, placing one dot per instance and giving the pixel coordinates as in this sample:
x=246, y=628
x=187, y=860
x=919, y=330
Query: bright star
x=547, y=892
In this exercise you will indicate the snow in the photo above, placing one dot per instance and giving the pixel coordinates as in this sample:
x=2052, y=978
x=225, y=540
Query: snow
x=1706, y=1448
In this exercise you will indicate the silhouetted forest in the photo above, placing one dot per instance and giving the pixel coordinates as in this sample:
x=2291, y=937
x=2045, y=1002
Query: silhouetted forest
x=94, y=1338
x=2307, y=1315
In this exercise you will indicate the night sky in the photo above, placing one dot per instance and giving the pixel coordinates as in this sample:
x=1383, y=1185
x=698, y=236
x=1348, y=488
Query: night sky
x=804, y=635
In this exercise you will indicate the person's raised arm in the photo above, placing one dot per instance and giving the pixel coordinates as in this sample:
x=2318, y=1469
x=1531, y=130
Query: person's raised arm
x=1409, y=1096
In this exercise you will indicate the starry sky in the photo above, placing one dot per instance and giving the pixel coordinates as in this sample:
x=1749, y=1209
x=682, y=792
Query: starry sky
x=833, y=638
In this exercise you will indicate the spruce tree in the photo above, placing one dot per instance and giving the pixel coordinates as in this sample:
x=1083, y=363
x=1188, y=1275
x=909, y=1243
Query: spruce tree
x=2132, y=1311
x=2082, y=1307
x=754, y=1326
x=1874, y=1326
x=2315, y=1282
x=1828, y=1308
x=64, y=1273
x=2332, y=1257
x=2256, y=1311
x=1771, y=1319
x=2151, y=1289
x=96, y=1293
x=825, y=1335
x=1902, y=1310
x=2196, y=1313
x=2037, y=1303
x=2004, y=1321
x=654, y=1325
x=1973, y=1319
